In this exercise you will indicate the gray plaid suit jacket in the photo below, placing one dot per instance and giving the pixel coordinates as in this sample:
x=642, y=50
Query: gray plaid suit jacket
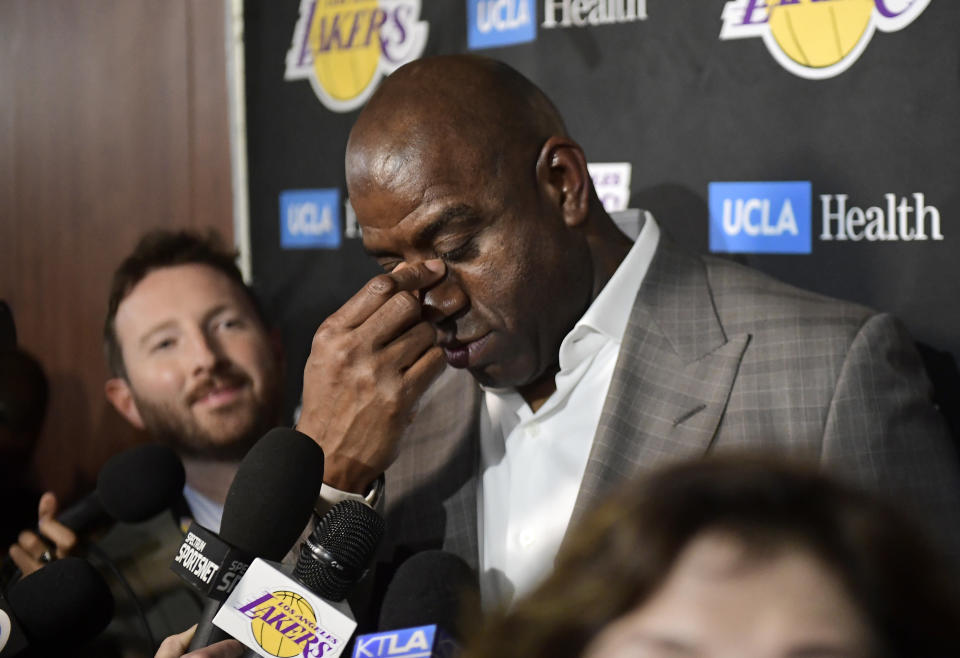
x=716, y=356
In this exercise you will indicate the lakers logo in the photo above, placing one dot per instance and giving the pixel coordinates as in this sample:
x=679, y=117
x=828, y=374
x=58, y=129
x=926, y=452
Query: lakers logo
x=344, y=47
x=285, y=625
x=816, y=39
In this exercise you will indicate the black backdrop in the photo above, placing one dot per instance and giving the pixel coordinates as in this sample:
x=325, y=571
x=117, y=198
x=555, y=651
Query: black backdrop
x=684, y=107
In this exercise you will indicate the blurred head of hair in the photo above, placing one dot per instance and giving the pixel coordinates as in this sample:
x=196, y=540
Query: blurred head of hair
x=621, y=555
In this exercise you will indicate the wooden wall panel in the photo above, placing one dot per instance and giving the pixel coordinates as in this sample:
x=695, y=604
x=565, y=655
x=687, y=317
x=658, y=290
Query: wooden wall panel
x=113, y=120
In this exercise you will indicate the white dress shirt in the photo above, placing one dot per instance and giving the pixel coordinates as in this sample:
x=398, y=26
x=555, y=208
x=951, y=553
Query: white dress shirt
x=204, y=511
x=532, y=463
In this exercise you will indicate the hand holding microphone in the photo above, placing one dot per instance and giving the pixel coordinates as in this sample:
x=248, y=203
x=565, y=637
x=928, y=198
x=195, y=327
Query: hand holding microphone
x=31, y=552
x=132, y=486
x=175, y=646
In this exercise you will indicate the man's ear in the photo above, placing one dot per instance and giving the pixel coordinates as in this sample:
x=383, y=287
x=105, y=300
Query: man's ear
x=562, y=174
x=121, y=397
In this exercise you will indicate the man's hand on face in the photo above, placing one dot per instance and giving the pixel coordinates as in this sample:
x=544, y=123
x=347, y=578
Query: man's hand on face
x=369, y=364
x=31, y=552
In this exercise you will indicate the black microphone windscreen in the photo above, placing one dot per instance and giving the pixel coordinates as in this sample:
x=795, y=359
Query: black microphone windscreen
x=64, y=604
x=430, y=587
x=339, y=549
x=256, y=518
x=140, y=482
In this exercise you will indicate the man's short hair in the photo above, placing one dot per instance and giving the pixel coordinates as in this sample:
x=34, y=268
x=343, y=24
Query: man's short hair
x=159, y=249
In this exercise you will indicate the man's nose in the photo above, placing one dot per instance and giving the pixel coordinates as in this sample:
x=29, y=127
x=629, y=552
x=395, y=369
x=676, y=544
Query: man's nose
x=444, y=299
x=205, y=352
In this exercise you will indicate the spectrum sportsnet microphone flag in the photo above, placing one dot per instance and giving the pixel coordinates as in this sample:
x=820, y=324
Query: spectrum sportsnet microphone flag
x=276, y=616
x=209, y=564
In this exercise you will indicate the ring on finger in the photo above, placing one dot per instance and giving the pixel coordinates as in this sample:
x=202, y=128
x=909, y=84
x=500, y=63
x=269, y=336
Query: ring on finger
x=46, y=557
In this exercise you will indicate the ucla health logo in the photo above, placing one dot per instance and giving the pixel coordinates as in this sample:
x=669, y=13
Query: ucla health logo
x=816, y=39
x=344, y=47
x=310, y=219
x=492, y=23
x=760, y=218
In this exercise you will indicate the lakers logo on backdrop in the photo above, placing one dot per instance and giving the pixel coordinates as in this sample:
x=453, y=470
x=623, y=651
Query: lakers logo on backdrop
x=816, y=39
x=345, y=47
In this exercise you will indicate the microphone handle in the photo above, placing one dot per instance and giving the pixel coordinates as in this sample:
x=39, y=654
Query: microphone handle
x=207, y=633
x=85, y=513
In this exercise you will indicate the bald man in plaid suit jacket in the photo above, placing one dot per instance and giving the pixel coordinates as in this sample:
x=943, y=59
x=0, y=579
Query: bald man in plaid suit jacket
x=500, y=260
x=716, y=356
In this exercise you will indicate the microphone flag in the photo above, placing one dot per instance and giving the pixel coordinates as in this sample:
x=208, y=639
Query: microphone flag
x=278, y=617
x=209, y=564
x=418, y=642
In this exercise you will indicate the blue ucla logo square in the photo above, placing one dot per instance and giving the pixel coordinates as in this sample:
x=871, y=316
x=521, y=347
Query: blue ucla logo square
x=760, y=217
x=492, y=23
x=310, y=219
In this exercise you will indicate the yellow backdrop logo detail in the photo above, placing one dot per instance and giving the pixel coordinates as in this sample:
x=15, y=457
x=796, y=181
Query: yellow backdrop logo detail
x=816, y=39
x=344, y=47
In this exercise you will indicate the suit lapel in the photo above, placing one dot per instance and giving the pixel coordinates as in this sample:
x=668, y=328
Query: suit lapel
x=431, y=497
x=672, y=379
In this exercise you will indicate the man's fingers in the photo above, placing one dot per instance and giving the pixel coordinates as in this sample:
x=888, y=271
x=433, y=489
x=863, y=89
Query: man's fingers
x=397, y=315
x=410, y=346
x=25, y=562
x=47, y=507
x=174, y=646
x=424, y=371
x=64, y=538
x=378, y=290
x=222, y=649
x=418, y=275
x=31, y=543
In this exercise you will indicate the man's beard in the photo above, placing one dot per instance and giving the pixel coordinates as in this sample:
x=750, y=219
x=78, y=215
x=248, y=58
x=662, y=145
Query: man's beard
x=188, y=438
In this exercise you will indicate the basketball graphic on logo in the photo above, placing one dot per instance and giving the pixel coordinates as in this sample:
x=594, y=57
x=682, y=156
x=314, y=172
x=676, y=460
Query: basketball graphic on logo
x=820, y=34
x=272, y=640
x=345, y=41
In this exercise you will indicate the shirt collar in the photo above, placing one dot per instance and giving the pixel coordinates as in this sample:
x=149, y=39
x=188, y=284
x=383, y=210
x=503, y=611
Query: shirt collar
x=609, y=313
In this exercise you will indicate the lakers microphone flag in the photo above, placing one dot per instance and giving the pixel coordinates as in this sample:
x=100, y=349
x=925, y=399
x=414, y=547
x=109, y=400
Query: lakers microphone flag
x=277, y=617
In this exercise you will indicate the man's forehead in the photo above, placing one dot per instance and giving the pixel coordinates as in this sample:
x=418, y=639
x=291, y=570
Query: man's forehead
x=168, y=292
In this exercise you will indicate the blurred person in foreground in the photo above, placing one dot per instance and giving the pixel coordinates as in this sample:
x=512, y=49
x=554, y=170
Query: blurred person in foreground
x=727, y=558
x=194, y=363
x=745, y=558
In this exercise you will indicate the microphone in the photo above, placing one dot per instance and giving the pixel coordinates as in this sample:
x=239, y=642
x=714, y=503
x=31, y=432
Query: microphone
x=274, y=614
x=423, y=609
x=132, y=486
x=336, y=554
x=267, y=507
x=54, y=609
